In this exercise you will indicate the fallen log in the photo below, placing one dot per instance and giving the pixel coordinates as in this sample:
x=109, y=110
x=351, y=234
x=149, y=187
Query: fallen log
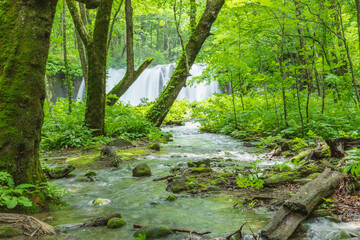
x=30, y=225
x=101, y=221
x=298, y=208
x=163, y=178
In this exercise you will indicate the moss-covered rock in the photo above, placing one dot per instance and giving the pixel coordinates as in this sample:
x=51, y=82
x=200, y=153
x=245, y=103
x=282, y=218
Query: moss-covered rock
x=204, y=162
x=325, y=214
x=101, y=201
x=176, y=189
x=8, y=232
x=155, y=146
x=213, y=188
x=120, y=142
x=201, y=169
x=59, y=170
x=142, y=170
x=153, y=232
x=115, y=223
x=171, y=198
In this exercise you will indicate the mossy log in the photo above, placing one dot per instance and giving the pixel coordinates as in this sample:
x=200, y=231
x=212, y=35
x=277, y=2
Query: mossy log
x=30, y=225
x=298, y=208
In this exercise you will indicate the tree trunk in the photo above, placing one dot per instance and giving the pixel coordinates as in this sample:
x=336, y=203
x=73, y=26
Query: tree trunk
x=24, y=44
x=126, y=82
x=357, y=2
x=96, y=49
x=162, y=105
x=67, y=76
x=298, y=208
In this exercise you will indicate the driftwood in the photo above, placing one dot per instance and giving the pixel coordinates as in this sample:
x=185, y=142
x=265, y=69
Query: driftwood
x=297, y=208
x=30, y=225
x=339, y=145
x=178, y=230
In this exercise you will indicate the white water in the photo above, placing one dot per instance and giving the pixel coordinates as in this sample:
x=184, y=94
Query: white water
x=151, y=82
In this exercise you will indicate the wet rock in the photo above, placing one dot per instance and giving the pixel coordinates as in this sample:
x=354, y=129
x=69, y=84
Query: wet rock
x=338, y=235
x=101, y=201
x=171, y=198
x=115, y=223
x=205, y=162
x=142, y=170
x=325, y=214
x=153, y=232
x=59, y=171
x=9, y=232
x=155, y=146
x=108, y=154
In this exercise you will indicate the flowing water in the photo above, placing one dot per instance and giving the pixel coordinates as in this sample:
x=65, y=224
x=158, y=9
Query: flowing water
x=151, y=82
x=142, y=201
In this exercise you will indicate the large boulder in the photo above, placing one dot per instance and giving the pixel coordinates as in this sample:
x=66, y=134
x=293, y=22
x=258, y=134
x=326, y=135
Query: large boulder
x=59, y=171
x=115, y=222
x=120, y=142
x=108, y=154
x=142, y=170
x=153, y=232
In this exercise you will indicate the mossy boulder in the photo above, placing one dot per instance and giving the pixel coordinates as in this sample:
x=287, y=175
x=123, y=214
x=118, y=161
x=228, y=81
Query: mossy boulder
x=204, y=162
x=108, y=154
x=171, y=198
x=9, y=232
x=285, y=144
x=59, y=170
x=176, y=189
x=101, y=201
x=153, y=232
x=142, y=170
x=120, y=142
x=155, y=146
x=115, y=223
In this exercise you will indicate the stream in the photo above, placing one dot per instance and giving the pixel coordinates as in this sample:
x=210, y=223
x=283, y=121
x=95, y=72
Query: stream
x=143, y=201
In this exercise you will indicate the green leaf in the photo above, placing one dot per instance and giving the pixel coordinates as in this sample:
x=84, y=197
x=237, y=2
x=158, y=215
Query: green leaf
x=12, y=202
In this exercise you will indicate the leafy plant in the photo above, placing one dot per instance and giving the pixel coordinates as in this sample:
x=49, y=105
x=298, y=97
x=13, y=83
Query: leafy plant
x=141, y=237
x=353, y=165
x=252, y=180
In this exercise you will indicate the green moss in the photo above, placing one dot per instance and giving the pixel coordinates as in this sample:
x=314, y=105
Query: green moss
x=226, y=175
x=142, y=170
x=176, y=189
x=153, y=232
x=85, y=159
x=133, y=153
x=201, y=169
x=8, y=232
x=115, y=223
x=301, y=155
x=171, y=198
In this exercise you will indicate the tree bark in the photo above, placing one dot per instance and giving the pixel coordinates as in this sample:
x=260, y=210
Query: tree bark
x=96, y=49
x=25, y=28
x=298, y=208
x=162, y=105
x=357, y=2
x=67, y=76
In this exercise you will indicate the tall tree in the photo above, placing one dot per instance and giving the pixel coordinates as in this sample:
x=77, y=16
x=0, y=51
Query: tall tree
x=131, y=75
x=96, y=50
x=167, y=97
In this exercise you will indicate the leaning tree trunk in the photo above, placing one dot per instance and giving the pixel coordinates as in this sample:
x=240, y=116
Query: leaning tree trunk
x=25, y=28
x=162, y=105
x=131, y=75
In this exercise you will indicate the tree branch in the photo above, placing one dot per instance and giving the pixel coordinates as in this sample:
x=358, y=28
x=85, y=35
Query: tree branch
x=79, y=25
x=90, y=4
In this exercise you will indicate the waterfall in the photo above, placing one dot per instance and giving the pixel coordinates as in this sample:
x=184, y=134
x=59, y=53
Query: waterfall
x=152, y=81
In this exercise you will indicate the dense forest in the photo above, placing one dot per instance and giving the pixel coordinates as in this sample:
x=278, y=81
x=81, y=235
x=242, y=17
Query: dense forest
x=273, y=153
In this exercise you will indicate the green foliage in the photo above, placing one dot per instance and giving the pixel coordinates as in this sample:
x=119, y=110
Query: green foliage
x=141, y=237
x=353, y=165
x=252, y=180
x=285, y=166
x=12, y=196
